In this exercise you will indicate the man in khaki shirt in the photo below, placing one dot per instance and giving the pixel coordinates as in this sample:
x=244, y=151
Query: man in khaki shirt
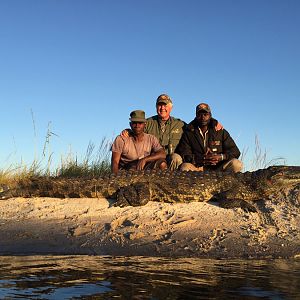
x=167, y=129
x=138, y=151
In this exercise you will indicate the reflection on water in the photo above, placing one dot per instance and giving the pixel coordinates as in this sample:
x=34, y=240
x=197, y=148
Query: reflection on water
x=106, y=277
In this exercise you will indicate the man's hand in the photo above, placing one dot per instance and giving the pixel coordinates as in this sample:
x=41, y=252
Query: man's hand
x=126, y=133
x=141, y=164
x=211, y=158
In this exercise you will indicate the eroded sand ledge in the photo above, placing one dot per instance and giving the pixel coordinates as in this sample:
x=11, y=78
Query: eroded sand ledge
x=93, y=226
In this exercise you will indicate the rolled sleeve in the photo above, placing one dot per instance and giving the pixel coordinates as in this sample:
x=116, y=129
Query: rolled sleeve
x=156, y=146
x=118, y=145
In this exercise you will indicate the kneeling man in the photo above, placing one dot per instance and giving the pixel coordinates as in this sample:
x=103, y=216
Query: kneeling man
x=203, y=147
x=139, y=151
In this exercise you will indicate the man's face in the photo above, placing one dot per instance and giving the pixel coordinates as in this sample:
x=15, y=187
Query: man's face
x=164, y=110
x=137, y=127
x=203, y=117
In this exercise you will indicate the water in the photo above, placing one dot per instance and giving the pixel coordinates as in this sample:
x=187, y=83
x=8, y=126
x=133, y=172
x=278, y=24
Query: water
x=106, y=277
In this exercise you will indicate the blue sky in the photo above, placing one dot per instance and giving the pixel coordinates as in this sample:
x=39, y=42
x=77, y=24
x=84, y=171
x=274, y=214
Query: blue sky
x=79, y=67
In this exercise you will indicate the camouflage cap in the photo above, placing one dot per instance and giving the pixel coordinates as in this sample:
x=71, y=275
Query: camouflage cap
x=204, y=107
x=163, y=98
x=137, y=116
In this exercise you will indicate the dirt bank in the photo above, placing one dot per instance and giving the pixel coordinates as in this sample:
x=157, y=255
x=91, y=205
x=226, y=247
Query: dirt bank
x=93, y=226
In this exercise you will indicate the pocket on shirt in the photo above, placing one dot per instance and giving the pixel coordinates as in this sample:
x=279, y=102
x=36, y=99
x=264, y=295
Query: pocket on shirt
x=215, y=146
x=175, y=136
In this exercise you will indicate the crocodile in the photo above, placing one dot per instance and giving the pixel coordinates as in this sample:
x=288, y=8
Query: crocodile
x=136, y=188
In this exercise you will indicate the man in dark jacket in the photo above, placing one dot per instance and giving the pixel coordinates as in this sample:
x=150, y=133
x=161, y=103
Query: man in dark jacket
x=202, y=147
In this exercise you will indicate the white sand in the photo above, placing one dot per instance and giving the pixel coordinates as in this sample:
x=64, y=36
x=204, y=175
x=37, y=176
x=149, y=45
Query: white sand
x=93, y=226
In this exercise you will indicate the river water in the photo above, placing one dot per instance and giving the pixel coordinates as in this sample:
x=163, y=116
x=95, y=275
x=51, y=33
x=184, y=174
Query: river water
x=107, y=277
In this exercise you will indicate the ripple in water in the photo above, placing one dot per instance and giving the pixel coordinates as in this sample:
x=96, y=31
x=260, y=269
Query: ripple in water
x=106, y=277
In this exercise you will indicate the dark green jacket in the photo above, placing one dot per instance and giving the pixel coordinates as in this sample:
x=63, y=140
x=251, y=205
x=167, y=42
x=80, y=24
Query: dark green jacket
x=172, y=134
x=192, y=149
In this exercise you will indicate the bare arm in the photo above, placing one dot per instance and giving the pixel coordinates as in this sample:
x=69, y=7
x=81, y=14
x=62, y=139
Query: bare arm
x=115, y=160
x=160, y=154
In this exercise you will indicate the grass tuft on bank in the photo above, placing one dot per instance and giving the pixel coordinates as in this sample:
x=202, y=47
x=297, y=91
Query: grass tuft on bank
x=95, y=163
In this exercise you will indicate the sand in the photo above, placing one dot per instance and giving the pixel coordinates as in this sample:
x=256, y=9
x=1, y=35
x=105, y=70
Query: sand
x=94, y=227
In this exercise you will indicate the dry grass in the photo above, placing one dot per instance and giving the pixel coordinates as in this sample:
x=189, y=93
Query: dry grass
x=21, y=172
x=261, y=159
x=93, y=164
x=96, y=162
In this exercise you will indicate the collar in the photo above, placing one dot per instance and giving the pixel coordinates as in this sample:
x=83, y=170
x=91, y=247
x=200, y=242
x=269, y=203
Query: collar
x=161, y=121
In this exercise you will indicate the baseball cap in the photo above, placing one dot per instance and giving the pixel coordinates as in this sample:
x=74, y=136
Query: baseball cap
x=163, y=98
x=203, y=106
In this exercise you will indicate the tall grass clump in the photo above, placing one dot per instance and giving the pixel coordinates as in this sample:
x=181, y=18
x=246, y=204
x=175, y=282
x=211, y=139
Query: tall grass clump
x=260, y=158
x=21, y=172
x=95, y=163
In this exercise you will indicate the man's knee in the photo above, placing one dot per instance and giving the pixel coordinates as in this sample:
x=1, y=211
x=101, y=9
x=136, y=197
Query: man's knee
x=158, y=164
x=237, y=165
x=233, y=165
x=163, y=165
x=186, y=166
x=190, y=167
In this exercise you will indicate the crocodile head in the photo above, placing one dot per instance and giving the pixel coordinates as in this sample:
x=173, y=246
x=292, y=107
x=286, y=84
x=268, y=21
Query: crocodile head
x=283, y=175
x=276, y=177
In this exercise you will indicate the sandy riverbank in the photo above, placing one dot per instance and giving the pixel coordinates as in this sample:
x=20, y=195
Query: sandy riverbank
x=93, y=226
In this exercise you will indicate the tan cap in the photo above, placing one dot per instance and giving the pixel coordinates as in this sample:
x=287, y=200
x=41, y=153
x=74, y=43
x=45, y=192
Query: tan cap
x=163, y=98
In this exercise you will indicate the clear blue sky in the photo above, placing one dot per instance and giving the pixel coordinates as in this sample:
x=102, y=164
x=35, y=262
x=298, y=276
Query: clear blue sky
x=83, y=65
